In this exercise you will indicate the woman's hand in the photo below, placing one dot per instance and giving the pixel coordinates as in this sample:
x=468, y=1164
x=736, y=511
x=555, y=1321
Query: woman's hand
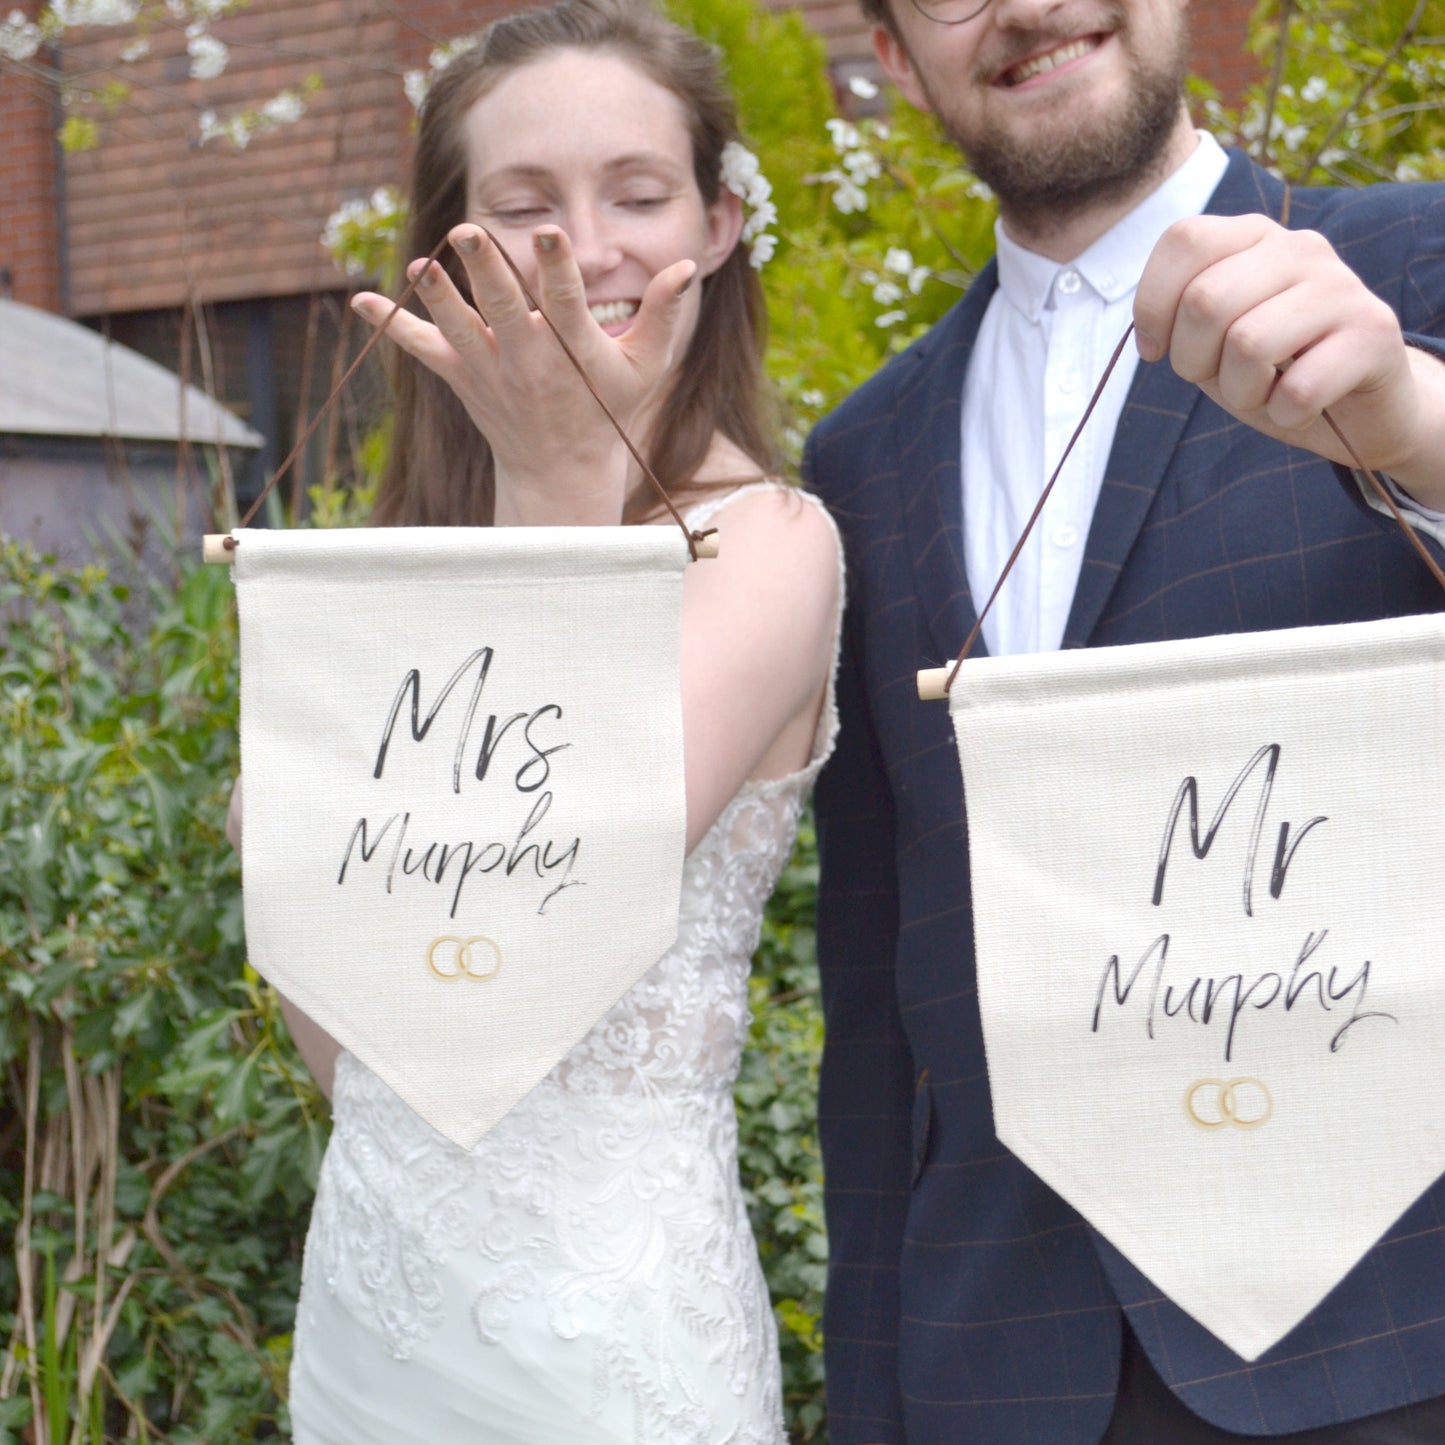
x=559, y=460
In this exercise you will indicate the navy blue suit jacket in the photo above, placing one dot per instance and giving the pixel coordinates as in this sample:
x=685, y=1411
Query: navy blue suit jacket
x=967, y=1303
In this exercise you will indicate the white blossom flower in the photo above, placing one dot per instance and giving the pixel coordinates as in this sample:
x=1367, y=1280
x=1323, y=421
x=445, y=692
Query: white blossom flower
x=94, y=12
x=208, y=55
x=885, y=293
x=863, y=166
x=759, y=220
x=740, y=167
x=136, y=49
x=862, y=87
x=284, y=108
x=891, y=318
x=844, y=133
x=741, y=173
x=19, y=39
x=897, y=260
x=358, y=231
x=917, y=276
x=416, y=83
x=1315, y=88
x=238, y=129
x=848, y=197
x=812, y=397
x=447, y=52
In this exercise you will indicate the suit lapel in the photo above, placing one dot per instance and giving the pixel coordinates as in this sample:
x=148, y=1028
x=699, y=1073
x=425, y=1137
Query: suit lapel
x=928, y=443
x=1150, y=427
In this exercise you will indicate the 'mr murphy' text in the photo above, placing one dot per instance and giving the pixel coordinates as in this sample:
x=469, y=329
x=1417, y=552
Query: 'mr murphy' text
x=1225, y=999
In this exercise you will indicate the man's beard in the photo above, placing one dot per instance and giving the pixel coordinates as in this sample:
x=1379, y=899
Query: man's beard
x=1045, y=180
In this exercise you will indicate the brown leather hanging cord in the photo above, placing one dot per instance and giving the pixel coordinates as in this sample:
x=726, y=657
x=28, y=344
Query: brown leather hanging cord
x=694, y=538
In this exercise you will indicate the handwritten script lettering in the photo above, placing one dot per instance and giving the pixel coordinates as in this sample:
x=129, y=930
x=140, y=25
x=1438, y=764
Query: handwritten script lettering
x=522, y=799
x=1284, y=852
x=1224, y=998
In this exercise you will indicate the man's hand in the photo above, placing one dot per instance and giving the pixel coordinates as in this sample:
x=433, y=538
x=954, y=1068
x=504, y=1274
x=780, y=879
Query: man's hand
x=1273, y=326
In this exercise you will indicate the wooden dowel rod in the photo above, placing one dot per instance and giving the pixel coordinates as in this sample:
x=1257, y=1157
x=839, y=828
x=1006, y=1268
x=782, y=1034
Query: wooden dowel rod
x=933, y=683
x=215, y=551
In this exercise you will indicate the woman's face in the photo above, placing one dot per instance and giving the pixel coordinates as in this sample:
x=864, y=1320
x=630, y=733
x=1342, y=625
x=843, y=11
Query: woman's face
x=586, y=141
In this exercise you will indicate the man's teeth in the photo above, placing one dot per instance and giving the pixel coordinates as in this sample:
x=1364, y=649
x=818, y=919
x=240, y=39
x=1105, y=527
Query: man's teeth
x=1040, y=63
x=606, y=312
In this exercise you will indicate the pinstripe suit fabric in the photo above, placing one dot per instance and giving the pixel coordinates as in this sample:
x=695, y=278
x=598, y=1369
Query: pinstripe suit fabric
x=967, y=1302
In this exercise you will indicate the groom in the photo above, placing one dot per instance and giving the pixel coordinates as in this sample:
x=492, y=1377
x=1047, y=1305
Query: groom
x=967, y=1303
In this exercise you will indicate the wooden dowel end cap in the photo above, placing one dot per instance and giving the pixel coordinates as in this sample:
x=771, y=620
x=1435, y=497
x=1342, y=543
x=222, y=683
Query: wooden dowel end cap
x=933, y=683
x=214, y=549
x=706, y=547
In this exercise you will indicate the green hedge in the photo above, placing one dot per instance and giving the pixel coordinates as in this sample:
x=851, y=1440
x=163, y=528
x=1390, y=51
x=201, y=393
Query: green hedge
x=156, y=1115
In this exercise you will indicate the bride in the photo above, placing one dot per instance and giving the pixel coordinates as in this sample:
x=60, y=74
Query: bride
x=586, y=1272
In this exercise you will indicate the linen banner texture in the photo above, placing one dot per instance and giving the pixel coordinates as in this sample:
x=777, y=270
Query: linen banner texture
x=1211, y=963
x=464, y=807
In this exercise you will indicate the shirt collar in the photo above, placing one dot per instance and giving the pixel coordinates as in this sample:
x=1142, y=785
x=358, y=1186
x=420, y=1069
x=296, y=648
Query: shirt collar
x=1113, y=265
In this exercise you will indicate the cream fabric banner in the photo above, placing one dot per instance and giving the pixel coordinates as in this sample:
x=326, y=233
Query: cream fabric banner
x=1211, y=961
x=464, y=807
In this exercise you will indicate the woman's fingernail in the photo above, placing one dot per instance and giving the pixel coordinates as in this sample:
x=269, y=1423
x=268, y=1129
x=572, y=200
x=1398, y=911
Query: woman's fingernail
x=428, y=277
x=361, y=306
x=545, y=240
x=471, y=242
x=683, y=289
x=1148, y=347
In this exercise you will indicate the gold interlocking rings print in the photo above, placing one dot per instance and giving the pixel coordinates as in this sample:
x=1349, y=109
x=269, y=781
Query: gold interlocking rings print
x=1213, y=1103
x=451, y=957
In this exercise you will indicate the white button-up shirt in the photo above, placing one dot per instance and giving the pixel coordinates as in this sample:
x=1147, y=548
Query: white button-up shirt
x=1046, y=338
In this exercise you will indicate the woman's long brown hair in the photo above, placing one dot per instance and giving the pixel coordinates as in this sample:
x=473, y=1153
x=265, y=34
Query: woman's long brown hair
x=440, y=471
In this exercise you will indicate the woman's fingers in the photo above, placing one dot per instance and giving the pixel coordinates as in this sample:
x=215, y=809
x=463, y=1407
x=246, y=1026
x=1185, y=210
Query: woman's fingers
x=454, y=316
x=415, y=336
x=651, y=339
x=562, y=291
x=494, y=288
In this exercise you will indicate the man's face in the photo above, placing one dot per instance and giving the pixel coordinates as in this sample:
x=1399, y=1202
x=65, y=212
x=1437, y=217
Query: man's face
x=1055, y=103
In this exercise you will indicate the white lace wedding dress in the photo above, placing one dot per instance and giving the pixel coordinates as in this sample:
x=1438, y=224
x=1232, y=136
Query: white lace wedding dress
x=586, y=1273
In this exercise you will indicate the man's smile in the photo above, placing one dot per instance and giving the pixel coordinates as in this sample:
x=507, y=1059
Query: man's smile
x=1059, y=55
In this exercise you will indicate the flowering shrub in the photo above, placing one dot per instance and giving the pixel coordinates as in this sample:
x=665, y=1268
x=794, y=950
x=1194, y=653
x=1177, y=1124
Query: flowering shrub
x=362, y=236
x=1357, y=93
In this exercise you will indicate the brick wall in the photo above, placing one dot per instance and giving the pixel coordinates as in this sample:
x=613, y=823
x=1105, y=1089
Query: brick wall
x=29, y=235
x=153, y=216
x=1217, y=29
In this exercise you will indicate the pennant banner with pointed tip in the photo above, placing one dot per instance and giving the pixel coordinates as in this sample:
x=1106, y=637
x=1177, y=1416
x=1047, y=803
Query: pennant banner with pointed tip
x=1209, y=943
x=464, y=807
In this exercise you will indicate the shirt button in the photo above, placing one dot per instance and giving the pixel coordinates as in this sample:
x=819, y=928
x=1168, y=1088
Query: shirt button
x=1065, y=535
x=1069, y=282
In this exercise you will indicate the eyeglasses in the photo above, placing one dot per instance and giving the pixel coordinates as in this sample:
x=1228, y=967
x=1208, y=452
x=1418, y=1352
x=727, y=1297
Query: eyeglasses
x=950, y=12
